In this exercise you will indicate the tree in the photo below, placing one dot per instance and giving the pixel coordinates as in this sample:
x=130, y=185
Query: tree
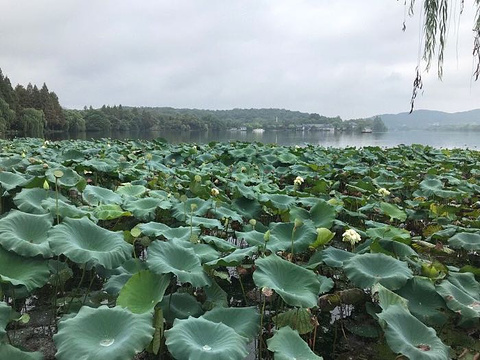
x=436, y=16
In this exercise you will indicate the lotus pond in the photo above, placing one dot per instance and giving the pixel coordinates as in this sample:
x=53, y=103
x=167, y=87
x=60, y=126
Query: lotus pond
x=144, y=250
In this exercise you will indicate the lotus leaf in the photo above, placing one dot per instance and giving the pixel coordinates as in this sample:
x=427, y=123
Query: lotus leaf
x=26, y=234
x=252, y=238
x=216, y=296
x=143, y=291
x=30, y=200
x=180, y=306
x=95, y=195
x=158, y=229
x=393, y=211
x=467, y=241
x=296, y=285
x=120, y=275
x=389, y=233
x=17, y=270
x=287, y=344
x=145, y=209
x=297, y=319
x=462, y=294
x=5, y=313
x=223, y=212
x=102, y=165
x=408, y=336
x=201, y=339
x=83, y=242
x=248, y=208
x=278, y=201
x=281, y=237
x=69, y=179
x=219, y=243
x=235, y=258
x=196, y=206
x=130, y=190
x=8, y=351
x=103, y=333
x=205, y=222
x=434, y=186
x=109, y=212
x=335, y=257
x=10, y=180
x=424, y=302
x=368, y=269
x=244, y=320
x=170, y=257
x=62, y=208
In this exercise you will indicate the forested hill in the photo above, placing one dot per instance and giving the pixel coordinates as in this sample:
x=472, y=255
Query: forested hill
x=30, y=111
x=430, y=119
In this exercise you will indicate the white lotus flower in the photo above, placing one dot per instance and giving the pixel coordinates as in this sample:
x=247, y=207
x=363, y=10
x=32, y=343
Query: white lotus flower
x=351, y=236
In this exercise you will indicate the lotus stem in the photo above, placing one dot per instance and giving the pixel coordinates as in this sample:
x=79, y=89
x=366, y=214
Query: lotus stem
x=243, y=289
x=56, y=200
x=88, y=289
x=260, y=339
x=78, y=288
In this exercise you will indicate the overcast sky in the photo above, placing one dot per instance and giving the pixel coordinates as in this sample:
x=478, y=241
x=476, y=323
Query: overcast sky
x=343, y=57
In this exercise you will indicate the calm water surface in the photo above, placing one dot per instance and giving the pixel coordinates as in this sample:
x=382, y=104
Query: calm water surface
x=328, y=139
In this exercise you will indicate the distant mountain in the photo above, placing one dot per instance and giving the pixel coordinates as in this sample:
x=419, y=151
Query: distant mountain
x=427, y=119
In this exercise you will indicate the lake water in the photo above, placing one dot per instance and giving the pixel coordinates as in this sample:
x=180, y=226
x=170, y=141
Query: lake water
x=328, y=139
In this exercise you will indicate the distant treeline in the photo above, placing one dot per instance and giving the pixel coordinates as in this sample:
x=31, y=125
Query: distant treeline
x=30, y=111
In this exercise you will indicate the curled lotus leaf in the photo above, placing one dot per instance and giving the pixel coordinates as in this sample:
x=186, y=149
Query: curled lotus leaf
x=170, y=257
x=235, y=258
x=84, y=242
x=109, y=212
x=407, y=335
x=26, y=234
x=9, y=180
x=156, y=229
x=278, y=201
x=143, y=291
x=244, y=320
x=296, y=285
x=129, y=190
x=180, y=306
x=103, y=333
x=287, y=344
x=145, y=209
x=119, y=276
x=96, y=195
x=32, y=273
x=8, y=351
x=63, y=208
x=368, y=269
x=30, y=200
x=335, y=257
x=202, y=339
x=467, y=241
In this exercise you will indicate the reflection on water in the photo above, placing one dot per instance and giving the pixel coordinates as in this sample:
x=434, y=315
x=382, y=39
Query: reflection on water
x=323, y=138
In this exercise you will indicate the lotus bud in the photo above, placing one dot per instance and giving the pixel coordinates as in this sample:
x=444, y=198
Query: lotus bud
x=252, y=222
x=351, y=236
x=298, y=223
x=214, y=192
x=383, y=192
x=266, y=236
x=23, y=154
x=45, y=185
x=197, y=178
x=193, y=207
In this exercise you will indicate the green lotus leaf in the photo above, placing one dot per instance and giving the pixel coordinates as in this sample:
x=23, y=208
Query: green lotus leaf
x=407, y=335
x=102, y=165
x=235, y=258
x=392, y=248
x=119, y=276
x=95, y=195
x=387, y=298
x=180, y=306
x=368, y=269
x=205, y=222
x=201, y=339
x=223, y=212
x=248, y=208
x=278, y=201
x=326, y=284
x=204, y=252
x=296, y=285
x=462, y=294
x=143, y=291
x=287, y=344
x=71, y=155
x=103, y=333
x=323, y=237
x=216, y=296
x=322, y=214
x=145, y=209
x=389, y=233
x=32, y=273
x=393, y=211
x=158, y=229
x=8, y=351
x=69, y=179
x=252, y=238
x=424, y=302
x=281, y=237
x=30, y=200
x=26, y=234
x=219, y=243
x=244, y=320
x=64, y=209
x=335, y=257
x=297, y=319
x=196, y=207
x=434, y=186
x=10, y=180
x=5, y=314
x=131, y=191
x=467, y=241
x=170, y=257
x=83, y=242
x=110, y=212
